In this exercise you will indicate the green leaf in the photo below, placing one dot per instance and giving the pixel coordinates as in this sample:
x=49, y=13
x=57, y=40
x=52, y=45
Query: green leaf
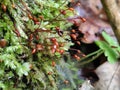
x=109, y=39
x=111, y=53
x=118, y=48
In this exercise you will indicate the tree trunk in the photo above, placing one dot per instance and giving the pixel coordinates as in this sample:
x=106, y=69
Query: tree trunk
x=112, y=8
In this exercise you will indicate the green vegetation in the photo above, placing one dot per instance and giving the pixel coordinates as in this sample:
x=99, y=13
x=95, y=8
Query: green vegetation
x=34, y=37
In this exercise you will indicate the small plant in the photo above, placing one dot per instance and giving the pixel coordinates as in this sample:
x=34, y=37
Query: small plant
x=107, y=46
x=110, y=47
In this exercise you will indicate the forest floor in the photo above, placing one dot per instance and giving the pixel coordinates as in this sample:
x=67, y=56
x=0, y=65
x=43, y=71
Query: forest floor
x=96, y=22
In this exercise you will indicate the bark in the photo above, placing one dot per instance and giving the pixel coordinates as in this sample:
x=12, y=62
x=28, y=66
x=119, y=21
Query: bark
x=112, y=9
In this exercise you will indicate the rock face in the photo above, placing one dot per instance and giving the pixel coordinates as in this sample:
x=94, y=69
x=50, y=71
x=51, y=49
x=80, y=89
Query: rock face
x=109, y=76
x=86, y=86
